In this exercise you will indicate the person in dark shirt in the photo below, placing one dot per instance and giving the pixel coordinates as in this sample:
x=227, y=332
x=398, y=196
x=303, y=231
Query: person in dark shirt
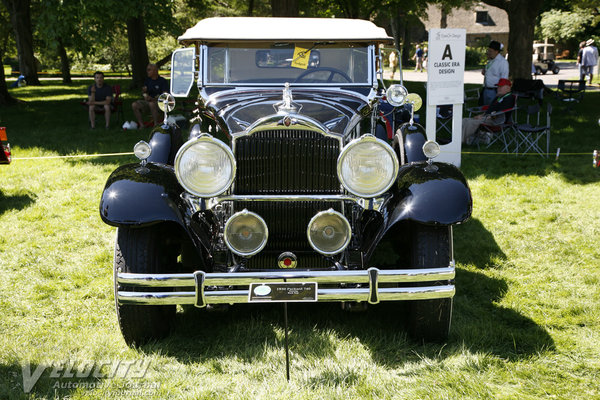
x=154, y=86
x=99, y=98
x=503, y=101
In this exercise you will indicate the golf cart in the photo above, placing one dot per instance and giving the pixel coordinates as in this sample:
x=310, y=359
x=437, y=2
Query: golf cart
x=543, y=59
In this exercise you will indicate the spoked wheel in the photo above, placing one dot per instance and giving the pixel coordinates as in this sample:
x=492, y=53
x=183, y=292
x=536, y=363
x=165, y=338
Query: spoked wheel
x=429, y=320
x=145, y=251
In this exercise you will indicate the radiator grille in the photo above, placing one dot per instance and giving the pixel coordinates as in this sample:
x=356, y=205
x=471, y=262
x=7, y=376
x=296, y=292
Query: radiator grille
x=286, y=162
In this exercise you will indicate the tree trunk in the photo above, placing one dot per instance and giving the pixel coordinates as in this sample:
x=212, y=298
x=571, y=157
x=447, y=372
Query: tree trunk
x=65, y=66
x=5, y=97
x=521, y=21
x=138, y=51
x=443, y=17
x=284, y=8
x=20, y=19
x=250, y=7
x=520, y=40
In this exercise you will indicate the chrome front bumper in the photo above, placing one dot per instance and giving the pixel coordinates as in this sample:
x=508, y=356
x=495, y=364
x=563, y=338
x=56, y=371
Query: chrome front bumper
x=201, y=289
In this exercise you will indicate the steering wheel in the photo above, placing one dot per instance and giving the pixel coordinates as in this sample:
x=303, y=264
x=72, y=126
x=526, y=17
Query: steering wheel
x=332, y=73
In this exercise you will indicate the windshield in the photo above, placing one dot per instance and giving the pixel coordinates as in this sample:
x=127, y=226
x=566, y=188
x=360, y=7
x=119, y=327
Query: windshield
x=296, y=63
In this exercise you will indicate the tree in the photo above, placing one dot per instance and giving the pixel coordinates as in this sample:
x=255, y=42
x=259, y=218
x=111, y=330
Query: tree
x=284, y=8
x=20, y=18
x=564, y=25
x=58, y=25
x=522, y=16
x=5, y=97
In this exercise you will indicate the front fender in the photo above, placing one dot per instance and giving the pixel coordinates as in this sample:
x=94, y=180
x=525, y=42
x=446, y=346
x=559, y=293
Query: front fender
x=137, y=195
x=436, y=194
x=433, y=195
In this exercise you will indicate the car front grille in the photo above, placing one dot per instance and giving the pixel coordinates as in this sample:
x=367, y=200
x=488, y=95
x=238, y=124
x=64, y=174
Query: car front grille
x=286, y=162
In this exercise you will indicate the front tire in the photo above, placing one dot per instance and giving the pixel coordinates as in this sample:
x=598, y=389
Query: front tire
x=429, y=320
x=144, y=251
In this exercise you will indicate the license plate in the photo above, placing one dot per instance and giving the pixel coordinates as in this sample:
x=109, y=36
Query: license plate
x=283, y=292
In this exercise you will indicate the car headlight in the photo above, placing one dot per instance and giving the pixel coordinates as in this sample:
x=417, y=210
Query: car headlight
x=205, y=166
x=367, y=166
x=396, y=95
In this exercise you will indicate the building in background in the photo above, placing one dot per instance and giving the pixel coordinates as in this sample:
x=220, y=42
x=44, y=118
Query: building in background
x=482, y=22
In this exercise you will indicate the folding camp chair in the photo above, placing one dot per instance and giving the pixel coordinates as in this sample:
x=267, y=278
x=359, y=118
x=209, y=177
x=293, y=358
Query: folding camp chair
x=490, y=132
x=443, y=131
x=530, y=133
x=570, y=92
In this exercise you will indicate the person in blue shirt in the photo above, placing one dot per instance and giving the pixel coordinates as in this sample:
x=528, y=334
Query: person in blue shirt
x=154, y=86
x=99, y=98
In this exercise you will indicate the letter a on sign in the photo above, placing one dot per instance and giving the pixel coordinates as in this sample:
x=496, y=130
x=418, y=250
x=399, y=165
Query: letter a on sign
x=447, y=53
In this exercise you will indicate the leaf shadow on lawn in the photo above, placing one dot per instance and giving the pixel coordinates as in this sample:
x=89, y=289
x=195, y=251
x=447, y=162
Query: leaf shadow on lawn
x=248, y=332
x=15, y=201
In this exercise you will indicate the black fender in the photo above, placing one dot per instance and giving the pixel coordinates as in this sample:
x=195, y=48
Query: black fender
x=408, y=143
x=138, y=195
x=436, y=194
x=165, y=141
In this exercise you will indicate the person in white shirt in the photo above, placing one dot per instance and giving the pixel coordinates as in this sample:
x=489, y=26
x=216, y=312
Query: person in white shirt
x=496, y=69
x=589, y=59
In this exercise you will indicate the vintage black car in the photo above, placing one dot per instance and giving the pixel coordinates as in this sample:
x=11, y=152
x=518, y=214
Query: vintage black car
x=300, y=179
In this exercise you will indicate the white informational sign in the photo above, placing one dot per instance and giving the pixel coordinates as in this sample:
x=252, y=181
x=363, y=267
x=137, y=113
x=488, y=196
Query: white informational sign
x=445, y=86
x=446, y=66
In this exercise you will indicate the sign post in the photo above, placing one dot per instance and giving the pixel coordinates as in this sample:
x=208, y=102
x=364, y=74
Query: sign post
x=445, y=86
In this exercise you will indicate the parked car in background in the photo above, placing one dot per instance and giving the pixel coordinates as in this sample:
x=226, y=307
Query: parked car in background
x=302, y=178
x=5, y=155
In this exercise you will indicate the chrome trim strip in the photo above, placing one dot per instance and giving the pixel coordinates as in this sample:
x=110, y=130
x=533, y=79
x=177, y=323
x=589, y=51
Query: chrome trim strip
x=241, y=296
x=368, y=204
x=321, y=277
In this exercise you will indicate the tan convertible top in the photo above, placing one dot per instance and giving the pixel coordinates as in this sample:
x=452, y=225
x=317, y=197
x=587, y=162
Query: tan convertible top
x=260, y=29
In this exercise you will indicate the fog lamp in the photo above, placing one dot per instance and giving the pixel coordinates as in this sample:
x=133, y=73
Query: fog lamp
x=329, y=232
x=246, y=233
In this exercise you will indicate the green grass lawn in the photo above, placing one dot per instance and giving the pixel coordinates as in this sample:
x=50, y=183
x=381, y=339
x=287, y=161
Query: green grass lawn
x=526, y=322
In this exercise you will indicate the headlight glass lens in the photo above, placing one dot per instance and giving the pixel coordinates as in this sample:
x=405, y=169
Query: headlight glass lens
x=205, y=166
x=396, y=94
x=431, y=149
x=246, y=233
x=329, y=232
x=367, y=166
x=142, y=150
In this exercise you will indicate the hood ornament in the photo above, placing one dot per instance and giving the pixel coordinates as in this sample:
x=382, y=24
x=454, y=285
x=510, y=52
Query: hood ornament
x=287, y=104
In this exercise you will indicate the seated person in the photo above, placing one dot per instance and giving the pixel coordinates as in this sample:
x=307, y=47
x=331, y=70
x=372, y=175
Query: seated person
x=154, y=86
x=503, y=101
x=99, y=98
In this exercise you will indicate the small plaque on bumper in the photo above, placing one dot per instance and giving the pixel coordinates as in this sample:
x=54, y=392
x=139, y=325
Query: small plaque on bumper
x=283, y=292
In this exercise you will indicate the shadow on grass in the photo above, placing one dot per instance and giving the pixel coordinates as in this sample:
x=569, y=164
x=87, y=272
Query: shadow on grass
x=16, y=201
x=479, y=324
x=475, y=245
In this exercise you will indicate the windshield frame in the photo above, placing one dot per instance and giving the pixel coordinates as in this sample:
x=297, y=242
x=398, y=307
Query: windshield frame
x=203, y=73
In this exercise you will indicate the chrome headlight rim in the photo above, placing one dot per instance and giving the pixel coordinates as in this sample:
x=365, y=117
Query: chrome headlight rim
x=390, y=96
x=364, y=139
x=346, y=224
x=431, y=149
x=190, y=143
x=231, y=219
